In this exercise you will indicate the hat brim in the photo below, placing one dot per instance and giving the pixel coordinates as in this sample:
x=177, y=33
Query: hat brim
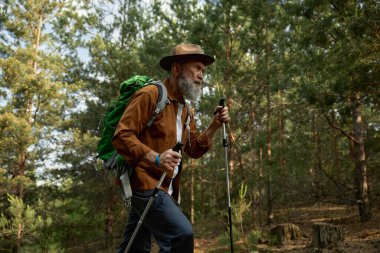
x=167, y=61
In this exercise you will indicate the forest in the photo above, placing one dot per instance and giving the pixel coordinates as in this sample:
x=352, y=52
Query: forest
x=301, y=79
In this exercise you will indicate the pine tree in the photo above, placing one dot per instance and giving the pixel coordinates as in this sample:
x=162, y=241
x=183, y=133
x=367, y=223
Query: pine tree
x=35, y=91
x=333, y=79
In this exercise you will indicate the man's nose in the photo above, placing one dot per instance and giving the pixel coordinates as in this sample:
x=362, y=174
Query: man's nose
x=200, y=75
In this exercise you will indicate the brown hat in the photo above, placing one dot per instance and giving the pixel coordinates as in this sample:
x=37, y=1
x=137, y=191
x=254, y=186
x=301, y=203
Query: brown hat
x=185, y=52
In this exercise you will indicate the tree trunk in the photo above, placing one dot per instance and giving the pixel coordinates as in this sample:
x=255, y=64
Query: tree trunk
x=269, y=136
x=110, y=214
x=317, y=159
x=269, y=161
x=286, y=232
x=270, y=202
x=28, y=114
x=215, y=190
x=192, y=209
x=325, y=234
x=19, y=237
x=335, y=151
x=253, y=164
x=20, y=172
x=282, y=148
x=336, y=163
x=362, y=192
x=211, y=197
x=260, y=178
x=253, y=142
x=228, y=49
x=269, y=129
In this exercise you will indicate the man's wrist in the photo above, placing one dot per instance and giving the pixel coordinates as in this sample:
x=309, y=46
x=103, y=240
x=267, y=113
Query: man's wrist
x=152, y=157
x=211, y=129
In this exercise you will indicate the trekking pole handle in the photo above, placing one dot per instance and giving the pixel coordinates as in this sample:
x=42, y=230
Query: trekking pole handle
x=225, y=144
x=221, y=101
x=177, y=147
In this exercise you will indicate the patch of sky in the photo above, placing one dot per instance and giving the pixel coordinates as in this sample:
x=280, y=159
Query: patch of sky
x=54, y=148
x=5, y=96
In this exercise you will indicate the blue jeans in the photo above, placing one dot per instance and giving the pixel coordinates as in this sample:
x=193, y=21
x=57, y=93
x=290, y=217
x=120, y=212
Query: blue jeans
x=164, y=221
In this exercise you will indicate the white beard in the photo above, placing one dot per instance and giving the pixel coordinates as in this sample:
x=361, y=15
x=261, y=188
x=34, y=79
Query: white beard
x=189, y=89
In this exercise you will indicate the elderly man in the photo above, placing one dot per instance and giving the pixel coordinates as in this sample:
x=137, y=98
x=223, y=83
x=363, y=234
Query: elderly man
x=149, y=150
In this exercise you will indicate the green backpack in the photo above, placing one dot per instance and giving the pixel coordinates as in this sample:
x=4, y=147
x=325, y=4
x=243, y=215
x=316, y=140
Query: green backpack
x=105, y=149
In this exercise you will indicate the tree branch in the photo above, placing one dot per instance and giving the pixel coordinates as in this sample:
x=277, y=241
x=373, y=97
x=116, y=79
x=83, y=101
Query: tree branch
x=335, y=181
x=339, y=128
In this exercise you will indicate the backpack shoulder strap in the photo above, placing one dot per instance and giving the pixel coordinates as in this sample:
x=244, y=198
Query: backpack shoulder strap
x=161, y=101
x=187, y=123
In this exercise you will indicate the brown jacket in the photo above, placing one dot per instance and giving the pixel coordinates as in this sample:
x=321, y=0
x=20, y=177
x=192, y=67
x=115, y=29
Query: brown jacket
x=133, y=140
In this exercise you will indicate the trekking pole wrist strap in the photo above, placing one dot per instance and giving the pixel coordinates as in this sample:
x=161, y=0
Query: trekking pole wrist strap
x=157, y=161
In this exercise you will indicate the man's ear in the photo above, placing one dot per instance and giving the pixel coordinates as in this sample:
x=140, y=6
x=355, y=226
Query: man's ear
x=176, y=69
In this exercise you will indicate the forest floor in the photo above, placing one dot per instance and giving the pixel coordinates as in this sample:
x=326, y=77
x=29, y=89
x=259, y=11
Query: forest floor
x=359, y=237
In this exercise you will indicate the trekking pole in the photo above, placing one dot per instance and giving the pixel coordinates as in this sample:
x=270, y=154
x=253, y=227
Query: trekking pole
x=225, y=145
x=176, y=148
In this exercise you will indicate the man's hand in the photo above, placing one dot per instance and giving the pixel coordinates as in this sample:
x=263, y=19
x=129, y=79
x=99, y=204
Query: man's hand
x=221, y=116
x=169, y=160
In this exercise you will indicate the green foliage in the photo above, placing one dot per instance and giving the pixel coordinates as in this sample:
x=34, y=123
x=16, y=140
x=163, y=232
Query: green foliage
x=33, y=78
x=253, y=238
x=16, y=133
x=20, y=221
x=240, y=215
x=224, y=238
x=242, y=206
x=273, y=240
x=241, y=211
